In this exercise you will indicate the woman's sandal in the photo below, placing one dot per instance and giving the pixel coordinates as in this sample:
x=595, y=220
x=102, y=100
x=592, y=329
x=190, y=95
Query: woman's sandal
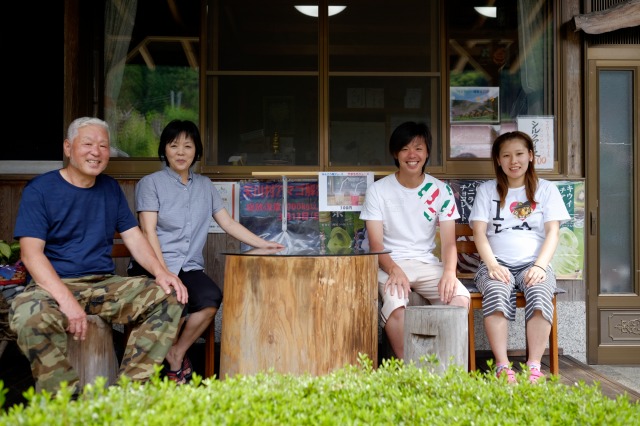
x=535, y=375
x=176, y=376
x=534, y=372
x=187, y=368
x=506, y=371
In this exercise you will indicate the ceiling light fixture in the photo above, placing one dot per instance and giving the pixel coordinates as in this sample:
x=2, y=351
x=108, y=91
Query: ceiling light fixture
x=313, y=10
x=488, y=11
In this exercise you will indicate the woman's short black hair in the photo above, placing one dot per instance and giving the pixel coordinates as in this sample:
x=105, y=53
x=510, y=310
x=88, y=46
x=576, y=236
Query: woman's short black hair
x=172, y=131
x=405, y=133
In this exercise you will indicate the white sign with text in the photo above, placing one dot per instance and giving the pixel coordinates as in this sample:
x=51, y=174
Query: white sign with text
x=343, y=191
x=540, y=128
x=230, y=193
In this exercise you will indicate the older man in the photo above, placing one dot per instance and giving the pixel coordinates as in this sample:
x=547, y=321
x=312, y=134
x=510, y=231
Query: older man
x=65, y=224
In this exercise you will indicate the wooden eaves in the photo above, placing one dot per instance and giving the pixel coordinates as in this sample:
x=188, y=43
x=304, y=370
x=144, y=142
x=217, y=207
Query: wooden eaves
x=622, y=15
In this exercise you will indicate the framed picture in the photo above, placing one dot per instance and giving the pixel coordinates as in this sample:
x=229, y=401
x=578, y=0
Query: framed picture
x=343, y=191
x=279, y=115
x=474, y=104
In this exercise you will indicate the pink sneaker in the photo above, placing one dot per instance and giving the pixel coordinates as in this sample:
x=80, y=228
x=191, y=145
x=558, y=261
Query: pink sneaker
x=509, y=373
x=535, y=375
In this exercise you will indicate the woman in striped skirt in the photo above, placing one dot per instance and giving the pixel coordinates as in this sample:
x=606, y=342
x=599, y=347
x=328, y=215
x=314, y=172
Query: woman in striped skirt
x=516, y=220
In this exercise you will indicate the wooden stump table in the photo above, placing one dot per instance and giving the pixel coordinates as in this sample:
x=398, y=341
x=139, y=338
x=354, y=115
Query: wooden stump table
x=298, y=313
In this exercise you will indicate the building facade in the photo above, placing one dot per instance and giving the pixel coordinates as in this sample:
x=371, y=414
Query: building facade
x=278, y=91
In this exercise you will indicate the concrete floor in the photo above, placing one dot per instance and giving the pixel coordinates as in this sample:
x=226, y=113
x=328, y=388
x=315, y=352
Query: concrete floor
x=627, y=375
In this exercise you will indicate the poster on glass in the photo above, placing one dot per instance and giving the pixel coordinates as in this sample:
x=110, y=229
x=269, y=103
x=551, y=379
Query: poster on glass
x=475, y=105
x=540, y=128
x=343, y=191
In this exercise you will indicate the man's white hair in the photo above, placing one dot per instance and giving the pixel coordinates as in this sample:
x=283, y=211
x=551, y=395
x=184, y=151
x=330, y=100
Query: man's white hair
x=76, y=124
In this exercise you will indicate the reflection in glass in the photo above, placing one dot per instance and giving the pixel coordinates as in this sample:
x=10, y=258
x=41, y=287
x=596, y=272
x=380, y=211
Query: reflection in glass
x=616, y=181
x=264, y=79
x=511, y=52
x=267, y=120
x=151, y=71
x=313, y=10
x=365, y=110
x=385, y=36
x=383, y=70
x=263, y=36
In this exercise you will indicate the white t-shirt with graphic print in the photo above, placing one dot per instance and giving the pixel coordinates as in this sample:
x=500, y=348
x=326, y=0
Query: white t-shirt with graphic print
x=409, y=216
x=516, y=232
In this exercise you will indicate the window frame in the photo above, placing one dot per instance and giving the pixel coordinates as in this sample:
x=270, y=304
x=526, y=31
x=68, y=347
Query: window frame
x=77, y=83
x=465, y=167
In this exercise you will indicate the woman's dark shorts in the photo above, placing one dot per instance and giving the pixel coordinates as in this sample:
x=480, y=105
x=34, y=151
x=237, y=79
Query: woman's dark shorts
x=203, y=291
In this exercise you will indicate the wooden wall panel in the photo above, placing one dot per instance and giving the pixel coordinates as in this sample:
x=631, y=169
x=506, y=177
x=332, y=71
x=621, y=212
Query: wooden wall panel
x=10, y=193
x=570, y=91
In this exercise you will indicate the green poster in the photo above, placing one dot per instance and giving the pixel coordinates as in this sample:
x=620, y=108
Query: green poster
x=568, y=261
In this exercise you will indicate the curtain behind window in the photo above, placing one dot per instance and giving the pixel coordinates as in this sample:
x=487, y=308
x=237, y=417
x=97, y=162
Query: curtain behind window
x=120, y=17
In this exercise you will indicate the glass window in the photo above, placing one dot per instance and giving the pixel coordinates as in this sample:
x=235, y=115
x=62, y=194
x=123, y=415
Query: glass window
x=385, y=36
x=500, y=67
x=151, y=60
x=365, y=110
x=320, y=90
x=255, y=35
x=383, y=70
x=262, y=79
x=273, y=72
x=266, y=120
x=616, y=183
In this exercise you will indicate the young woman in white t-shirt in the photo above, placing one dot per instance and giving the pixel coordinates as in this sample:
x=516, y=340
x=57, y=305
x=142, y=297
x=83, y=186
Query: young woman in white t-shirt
x=516, y=222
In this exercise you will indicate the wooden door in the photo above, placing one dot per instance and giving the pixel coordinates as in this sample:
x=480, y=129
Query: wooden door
x=612, y=228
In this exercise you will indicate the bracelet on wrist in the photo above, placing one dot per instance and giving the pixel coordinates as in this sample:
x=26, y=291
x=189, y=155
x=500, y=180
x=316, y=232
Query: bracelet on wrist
x=538, y=266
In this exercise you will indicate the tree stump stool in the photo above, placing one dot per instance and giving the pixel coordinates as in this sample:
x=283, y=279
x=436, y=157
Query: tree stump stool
x=436, y=329
x=95, y=356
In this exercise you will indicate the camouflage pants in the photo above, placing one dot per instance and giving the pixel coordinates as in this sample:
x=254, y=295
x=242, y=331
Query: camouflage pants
x=136, y=301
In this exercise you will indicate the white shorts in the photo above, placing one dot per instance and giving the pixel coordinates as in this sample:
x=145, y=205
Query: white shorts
x=424, y=279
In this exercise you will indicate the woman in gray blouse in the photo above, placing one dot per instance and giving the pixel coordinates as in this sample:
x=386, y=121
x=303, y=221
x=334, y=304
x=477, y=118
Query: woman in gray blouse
x=174, y=207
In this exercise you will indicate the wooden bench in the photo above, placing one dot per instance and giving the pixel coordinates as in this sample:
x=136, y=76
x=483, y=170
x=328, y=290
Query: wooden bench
x=120, y=251
x=465, y=245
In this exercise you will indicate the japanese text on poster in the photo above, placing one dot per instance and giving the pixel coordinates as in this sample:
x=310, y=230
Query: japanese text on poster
x=261, y=211
x=540, y=128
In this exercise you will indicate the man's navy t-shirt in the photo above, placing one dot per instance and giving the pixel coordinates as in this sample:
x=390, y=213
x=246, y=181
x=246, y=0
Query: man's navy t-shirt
x=77, y=224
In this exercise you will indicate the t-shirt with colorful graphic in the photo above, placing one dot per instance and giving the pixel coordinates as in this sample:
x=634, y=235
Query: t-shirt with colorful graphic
x=409, y=216
x=516, y=232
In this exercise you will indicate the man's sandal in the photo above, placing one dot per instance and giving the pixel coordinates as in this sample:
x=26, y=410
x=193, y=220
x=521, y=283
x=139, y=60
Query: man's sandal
x=187, y=368
x=176, y=376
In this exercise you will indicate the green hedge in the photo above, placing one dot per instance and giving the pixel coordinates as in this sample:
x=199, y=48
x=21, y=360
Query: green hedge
x=393, y=394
